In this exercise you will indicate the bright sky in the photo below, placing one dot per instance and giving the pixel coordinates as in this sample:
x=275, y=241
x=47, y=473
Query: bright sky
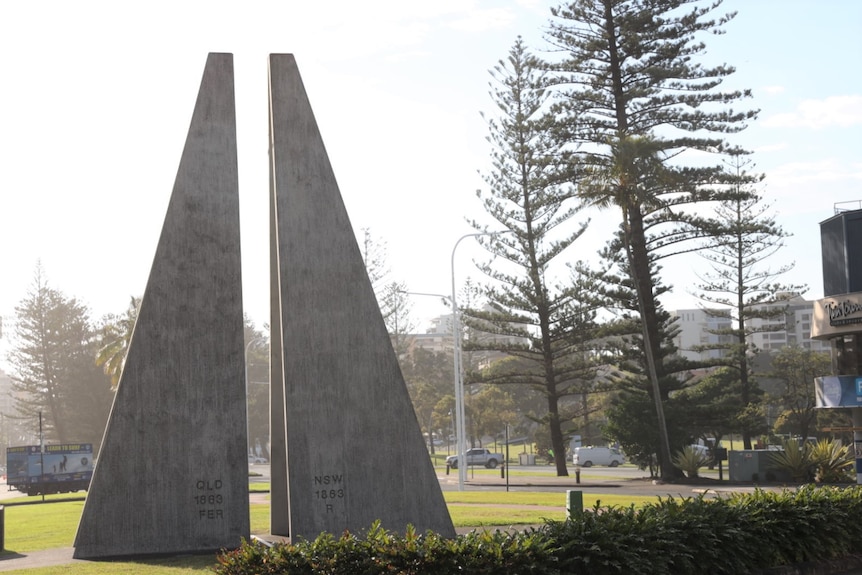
x=97, y=97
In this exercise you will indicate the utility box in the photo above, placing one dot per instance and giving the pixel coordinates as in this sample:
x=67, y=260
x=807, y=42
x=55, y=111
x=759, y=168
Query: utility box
x=527, y=458
x=754, y=465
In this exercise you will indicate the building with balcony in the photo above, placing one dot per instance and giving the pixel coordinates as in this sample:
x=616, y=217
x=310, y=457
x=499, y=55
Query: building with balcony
x=703, y=327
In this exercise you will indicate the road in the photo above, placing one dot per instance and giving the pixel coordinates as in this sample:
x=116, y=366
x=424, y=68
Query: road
x=596, y=480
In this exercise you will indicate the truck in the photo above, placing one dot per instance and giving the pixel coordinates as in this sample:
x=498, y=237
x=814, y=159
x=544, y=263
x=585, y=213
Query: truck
x=477, y=456
x=60, y=468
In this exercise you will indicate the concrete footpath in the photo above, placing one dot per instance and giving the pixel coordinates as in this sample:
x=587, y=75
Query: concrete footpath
x=36, y=559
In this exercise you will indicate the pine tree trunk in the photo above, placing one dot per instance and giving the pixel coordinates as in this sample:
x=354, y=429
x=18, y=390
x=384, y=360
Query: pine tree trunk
x=557, y=443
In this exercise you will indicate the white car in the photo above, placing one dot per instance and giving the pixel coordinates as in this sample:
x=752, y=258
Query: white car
x=589, y=456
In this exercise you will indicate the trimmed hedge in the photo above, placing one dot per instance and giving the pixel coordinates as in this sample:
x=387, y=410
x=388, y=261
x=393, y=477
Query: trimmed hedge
x=733, y=535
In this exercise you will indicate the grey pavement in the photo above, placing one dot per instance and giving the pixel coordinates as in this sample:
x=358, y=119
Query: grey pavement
x=36, y=559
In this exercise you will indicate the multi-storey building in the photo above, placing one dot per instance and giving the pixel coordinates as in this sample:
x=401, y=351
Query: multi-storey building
x=11, y=428
x=698, y=327
x=7, y=406
x=793, y=329
x=438, y=339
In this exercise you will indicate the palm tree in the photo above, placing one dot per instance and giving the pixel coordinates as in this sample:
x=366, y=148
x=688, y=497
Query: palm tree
x=116, y=336
x=635, y=180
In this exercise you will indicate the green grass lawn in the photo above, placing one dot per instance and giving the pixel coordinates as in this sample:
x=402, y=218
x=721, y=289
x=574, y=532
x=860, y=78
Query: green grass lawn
x=39, y=526
x=35, y=527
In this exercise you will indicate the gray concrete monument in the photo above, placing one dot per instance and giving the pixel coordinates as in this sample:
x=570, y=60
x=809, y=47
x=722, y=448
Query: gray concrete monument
x=172, y=473
x=354, y=451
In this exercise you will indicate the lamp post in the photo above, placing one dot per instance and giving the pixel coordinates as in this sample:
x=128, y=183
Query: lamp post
x=459, y=383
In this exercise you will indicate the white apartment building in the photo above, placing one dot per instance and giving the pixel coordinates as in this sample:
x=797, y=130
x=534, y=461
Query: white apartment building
x=696, y=326
x=794, y=328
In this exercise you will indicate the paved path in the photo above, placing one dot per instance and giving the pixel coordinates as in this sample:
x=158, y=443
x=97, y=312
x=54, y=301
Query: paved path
x=35, y=559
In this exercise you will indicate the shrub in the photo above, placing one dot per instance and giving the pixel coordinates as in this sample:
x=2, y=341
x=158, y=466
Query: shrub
x=381, y=552
x=690, y=461
x=833, y=462
x=737, y=534
x=795, y=459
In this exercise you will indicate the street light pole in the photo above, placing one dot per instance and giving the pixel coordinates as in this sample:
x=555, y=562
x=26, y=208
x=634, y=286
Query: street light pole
x=459, y=382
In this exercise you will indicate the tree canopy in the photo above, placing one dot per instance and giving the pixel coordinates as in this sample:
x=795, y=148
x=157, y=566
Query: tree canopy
x=641, y=112
x=742, y=287
x=531, y=316
x=55, y=374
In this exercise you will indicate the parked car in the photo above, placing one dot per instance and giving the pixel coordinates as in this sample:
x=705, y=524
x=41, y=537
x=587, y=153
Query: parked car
x=255, y=460
x=589, y=456
x=477, y=456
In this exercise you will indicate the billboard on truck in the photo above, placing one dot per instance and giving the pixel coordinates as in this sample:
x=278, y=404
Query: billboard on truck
x=58, y=469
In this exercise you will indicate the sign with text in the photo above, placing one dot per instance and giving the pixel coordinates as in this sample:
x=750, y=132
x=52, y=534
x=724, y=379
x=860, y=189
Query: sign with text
x=837, y=315
x=836, y=391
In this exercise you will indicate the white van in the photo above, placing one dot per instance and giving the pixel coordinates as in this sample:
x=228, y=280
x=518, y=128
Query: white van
x=589, y=456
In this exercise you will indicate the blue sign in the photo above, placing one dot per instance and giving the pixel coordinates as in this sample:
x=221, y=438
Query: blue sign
x=837, y=391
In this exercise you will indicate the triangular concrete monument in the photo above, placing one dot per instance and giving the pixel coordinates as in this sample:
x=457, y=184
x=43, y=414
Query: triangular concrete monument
x=354, y=450
x=172, y=473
